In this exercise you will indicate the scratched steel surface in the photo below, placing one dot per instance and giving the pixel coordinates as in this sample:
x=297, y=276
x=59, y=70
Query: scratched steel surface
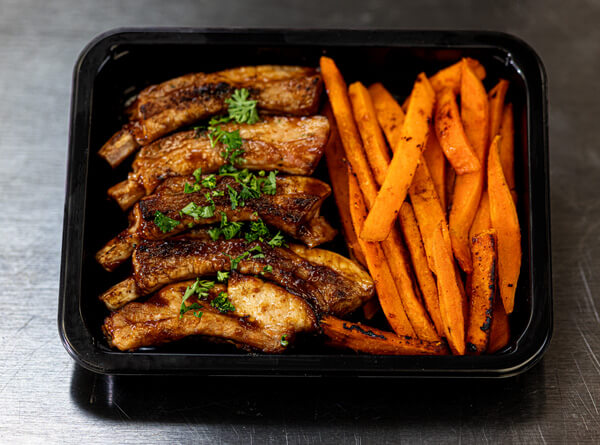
x=45, y=397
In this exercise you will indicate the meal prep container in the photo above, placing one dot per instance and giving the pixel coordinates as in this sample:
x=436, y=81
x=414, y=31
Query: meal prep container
x=120, y=63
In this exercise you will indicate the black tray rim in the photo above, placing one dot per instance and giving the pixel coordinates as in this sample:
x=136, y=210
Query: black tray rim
x=87, y=354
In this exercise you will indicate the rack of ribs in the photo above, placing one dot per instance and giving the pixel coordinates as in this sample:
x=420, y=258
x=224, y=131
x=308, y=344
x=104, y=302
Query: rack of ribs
x=330, y=283
x=290, y=145
x=293, y=209
x=264, y=314
x=166, y=107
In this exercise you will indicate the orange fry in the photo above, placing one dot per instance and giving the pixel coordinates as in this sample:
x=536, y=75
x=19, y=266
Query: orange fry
x=436, y=163
x=338, y=174
x=451, y=134
x=408, y=151
x=483, y=291
x=496, y=97
x=450, y=295
x=389, y=113
x=507, y=148
x=370, y=132
x=377, y=264
x=412, y=236
x=342, y=110
x=505, y=221
x=361, y=338
x=468, y=187
x=500, y=330
x=482, y=221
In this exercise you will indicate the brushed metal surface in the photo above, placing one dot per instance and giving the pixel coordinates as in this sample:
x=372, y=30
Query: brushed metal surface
x=44, y=397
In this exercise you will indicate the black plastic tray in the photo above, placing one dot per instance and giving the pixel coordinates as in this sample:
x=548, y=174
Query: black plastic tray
x=121, y=62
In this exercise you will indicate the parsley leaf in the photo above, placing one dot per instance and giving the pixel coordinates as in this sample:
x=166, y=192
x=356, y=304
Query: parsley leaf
x=258, y=249
x=191, y=188
x=209, y=181
x=236, y=261
x=233, y=197
x=197, y=174
x=222, y=276
x=200, y=287
x=222, y=303
x=277, y=241
x=241, y=109
x=164, y=223
x=283, y=341
x=214, y=233
x=258, y=230
x=270, y=185
x=267, y=269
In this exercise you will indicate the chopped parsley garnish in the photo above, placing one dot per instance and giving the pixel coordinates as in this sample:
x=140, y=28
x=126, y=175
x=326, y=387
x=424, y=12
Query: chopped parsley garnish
x=222, y=303
x=164, y=223
x=222, y=276
x=197, y=174
x=191, y=188
x=233, y=197
x=270, y=184
x=267, y=269
x=229, y=229
x=197, y=212
x=200, y=287
x=283, y=341
x=258, y=230
x=259, y=251
x=241, y=109
x=236, y=261
x=209, y=181
x=277, y=241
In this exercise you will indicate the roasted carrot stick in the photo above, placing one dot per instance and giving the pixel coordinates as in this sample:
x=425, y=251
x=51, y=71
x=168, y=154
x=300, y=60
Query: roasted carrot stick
x=408, y=151
x=342, y=110
x=482, y=221
x=338, y=174
x=507, y=148
x=389, y=113
x=483, y=291
x=370, y=132
x=468, y=187
x=449, y=77
x=436, y=163
x=496, y=97
x=428, y=210
x=361, y=338
x=451, y=134
x=377, y=264
x=500, y=330
x=505, y=221
x=412, y=236
x=450, y=295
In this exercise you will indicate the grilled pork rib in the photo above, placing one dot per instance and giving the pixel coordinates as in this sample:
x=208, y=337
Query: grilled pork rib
x=294, y=210
x=264, y=313
x=289, y=144
x=173, y=104
x=331, y=283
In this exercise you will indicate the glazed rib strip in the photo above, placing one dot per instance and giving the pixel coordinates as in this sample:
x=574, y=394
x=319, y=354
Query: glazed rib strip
x=163, y=108
x=291, y=145
x=294, y=210
x=339, y=287
x=264, y=313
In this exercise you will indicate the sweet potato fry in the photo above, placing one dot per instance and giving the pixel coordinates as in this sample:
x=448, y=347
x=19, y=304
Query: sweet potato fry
x=449, y=77
x=338, y=174
x=451, y=134
x=450, y=296
x=428, y=210
x=505, y=221
x=496, y=98
x=361, y=338
x=436, y=163
x=450, y=181
x=408, y=153
x=483, y=291
x=412, y=236
x=377, y=264
x=500, y=330
x=482, y=221
x=342, y=110
x=370, y=132
x=389, y=113
x=507, y=148
x=399, y=264
x=468, y=187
